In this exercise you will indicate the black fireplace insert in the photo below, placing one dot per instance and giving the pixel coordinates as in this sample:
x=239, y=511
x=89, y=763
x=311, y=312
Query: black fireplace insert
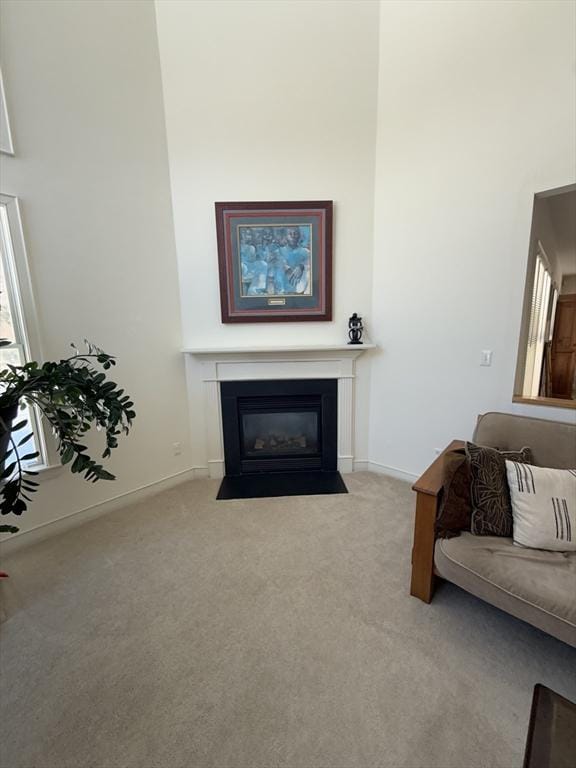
x=280, y=438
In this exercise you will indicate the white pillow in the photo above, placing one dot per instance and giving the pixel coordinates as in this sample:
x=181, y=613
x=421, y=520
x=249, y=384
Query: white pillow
x=543, y=506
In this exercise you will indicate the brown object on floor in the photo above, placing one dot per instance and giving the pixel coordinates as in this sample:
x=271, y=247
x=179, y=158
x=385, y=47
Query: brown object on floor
x=551, y=740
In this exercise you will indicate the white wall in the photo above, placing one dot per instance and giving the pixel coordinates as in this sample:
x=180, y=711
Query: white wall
x=84, y=95
x=476, y=113
x=270, y=101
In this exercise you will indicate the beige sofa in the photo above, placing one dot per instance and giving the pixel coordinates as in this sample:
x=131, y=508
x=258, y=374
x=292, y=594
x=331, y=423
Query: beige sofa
x=534, y=585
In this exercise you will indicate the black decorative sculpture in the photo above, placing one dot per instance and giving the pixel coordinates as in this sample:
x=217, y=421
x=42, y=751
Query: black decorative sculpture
x=355, y=329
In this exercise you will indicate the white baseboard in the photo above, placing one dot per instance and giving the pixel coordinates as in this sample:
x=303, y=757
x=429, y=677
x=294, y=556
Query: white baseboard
x=383, y=469
x=51, y=527
x=216, y=468
x=345, y=463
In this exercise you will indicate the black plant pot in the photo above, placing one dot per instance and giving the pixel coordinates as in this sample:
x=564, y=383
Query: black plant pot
x=7, y=416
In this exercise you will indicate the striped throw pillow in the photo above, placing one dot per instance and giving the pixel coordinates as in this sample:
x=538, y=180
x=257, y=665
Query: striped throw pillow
x=543, y=506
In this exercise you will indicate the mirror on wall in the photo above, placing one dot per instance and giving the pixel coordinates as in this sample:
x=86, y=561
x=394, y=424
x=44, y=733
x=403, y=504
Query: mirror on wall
x=546, y=369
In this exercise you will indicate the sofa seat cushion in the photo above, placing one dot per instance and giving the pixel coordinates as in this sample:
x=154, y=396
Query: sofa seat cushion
x=531, y=584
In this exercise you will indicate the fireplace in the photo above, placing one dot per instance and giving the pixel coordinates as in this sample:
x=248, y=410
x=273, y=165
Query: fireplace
x=280, y=438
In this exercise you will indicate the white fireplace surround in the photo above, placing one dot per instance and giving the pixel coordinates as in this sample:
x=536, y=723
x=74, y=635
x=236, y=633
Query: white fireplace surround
x=294, y=362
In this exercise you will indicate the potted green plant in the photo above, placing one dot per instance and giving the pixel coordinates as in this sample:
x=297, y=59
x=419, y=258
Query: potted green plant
x=72, y=395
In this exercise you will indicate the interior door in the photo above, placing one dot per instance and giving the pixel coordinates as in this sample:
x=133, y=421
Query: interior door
x=563, y=359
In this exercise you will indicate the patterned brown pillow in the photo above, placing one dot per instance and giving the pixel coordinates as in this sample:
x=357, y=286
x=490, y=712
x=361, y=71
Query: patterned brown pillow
x=489, y=492
x=455, y=510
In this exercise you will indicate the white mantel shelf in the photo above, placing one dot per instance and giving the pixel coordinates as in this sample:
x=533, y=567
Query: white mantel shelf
x=278, y=349
x=304, y=361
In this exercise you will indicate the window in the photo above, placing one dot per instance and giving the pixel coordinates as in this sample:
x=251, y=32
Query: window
x=546, y=360
x=542, y=308
x=17, y=316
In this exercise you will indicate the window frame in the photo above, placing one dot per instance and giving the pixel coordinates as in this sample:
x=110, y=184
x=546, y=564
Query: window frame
x=6, y=143
x=518, y=390
x=22, y=304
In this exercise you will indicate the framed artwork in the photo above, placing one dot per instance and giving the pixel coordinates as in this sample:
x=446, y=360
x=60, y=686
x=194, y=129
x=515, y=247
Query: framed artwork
x=275, y=261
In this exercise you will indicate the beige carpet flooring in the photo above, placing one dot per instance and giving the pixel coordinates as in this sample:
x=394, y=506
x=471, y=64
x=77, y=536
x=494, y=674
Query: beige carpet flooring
x=182, y=632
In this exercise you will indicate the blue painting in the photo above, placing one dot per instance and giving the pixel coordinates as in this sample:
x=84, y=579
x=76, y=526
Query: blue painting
x=275, y=260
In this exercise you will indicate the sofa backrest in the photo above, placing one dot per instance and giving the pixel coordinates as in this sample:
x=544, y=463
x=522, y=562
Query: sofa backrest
x=553, y=443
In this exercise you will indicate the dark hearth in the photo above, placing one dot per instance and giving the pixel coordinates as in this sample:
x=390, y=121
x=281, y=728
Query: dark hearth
x=280, y=438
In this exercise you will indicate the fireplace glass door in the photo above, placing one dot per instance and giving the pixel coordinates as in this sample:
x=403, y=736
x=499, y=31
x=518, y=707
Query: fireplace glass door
x=283, y=433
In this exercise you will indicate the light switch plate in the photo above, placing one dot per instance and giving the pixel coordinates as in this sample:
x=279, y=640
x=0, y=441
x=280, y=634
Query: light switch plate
x=486, y=358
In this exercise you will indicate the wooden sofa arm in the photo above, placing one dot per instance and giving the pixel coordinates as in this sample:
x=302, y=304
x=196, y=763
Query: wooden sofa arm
x=428, y=488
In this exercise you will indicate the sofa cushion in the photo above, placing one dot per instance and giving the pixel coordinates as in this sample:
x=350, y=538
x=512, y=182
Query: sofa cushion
x=543, y=507
x=553, y=443
x=491, y=507
x=531, y=584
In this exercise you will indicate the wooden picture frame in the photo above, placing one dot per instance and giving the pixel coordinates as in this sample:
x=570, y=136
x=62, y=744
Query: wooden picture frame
x=275, y=261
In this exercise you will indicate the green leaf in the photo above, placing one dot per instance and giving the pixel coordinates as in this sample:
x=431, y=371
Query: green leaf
x=25, y=439
x=8, y=471
x=30, y=456
x=78, y=463
x=19, y=506
x=8, y=529
x=104, y=475
x=67, y=455
x=19, y=425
